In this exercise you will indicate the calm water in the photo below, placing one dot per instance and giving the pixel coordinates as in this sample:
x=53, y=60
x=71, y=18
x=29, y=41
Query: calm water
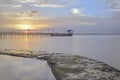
x=105, y=48
x=15, y=68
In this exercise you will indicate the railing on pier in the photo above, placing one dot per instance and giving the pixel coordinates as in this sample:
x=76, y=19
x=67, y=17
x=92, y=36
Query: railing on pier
x=34, y=33
x=23, y=33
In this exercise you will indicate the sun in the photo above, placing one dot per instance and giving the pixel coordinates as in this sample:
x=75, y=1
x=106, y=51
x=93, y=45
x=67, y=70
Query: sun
x=25, y=26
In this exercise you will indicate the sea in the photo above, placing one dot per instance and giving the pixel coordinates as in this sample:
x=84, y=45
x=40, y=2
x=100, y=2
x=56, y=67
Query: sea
x=105, y=48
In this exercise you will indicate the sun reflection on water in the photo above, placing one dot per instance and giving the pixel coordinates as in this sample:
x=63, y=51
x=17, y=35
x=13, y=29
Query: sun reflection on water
x=26, y=38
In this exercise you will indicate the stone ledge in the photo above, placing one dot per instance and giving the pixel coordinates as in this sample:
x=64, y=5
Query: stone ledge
x=70, y=67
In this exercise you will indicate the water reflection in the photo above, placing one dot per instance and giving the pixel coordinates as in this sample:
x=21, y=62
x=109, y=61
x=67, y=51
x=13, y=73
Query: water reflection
x=22, y=37
x=26, y=38
x=14, y=68
x=104, y=48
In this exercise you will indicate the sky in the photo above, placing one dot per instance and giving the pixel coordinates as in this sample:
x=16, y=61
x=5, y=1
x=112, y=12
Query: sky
x=79, y=15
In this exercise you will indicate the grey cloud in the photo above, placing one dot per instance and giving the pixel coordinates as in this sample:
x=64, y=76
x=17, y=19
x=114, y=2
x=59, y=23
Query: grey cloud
x=82, y=24
x=62, y=21
x=28, y=14
x=7, y=6
x=114, y=5
x=49, y=5
x=32, y=13
x=26, y=1
x=79, y=21
x=56, y=3
x=7, y=2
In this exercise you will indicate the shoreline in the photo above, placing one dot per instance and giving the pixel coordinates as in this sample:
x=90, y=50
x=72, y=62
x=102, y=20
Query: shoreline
x=70, y=67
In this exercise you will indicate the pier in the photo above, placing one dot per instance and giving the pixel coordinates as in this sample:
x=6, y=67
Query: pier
x=29, y=33
x=23, y=33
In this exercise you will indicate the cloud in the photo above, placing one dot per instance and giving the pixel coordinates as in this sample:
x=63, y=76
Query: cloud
x=18, y=15
x=25, y=15
x=67, y=13
x=77, y=12
x=26, y=1
x=72, y=21
x=114, y=5
x=7, y=2
x=32, y=13
x=16, y=6
x=114, y=9
x=53, y=22
x=49, y=5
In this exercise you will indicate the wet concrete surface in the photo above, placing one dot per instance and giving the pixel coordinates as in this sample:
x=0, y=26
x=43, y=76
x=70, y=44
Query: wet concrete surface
x=18, y=68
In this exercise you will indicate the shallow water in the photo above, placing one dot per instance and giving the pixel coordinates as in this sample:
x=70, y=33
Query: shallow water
x=104, y=48
x=16, y=68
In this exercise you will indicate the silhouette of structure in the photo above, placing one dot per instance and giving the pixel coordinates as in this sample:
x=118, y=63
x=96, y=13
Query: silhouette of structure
x=69, y=33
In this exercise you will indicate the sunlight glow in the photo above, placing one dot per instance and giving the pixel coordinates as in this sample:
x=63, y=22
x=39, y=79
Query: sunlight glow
x=25, y=26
